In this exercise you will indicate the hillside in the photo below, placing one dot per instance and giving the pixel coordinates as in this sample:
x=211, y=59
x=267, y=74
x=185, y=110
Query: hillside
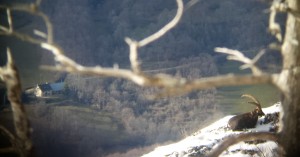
x=204, y=140
x=150, y=119
x=101, y=27
x=68, y=130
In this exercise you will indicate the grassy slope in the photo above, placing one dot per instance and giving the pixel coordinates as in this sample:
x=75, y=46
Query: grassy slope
x=77, y=131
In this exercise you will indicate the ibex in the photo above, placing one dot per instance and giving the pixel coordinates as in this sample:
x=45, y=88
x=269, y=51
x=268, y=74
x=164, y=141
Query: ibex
x=249, y=119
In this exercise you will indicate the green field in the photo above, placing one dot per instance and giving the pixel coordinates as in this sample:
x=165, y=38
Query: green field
x=229, y=97
x=231, y=103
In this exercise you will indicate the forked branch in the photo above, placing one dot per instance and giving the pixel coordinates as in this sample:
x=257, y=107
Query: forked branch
x=239, y=56
x=33, y=9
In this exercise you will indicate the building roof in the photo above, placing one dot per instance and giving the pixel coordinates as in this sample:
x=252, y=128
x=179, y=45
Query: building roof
x=57, y=86
x=45, y=87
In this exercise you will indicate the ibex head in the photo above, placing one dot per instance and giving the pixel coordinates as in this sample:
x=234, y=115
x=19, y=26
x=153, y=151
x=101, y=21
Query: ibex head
x=258, y=111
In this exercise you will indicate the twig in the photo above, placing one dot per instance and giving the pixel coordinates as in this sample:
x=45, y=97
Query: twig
x=134, y=45
x=239, y=56
x=9, y=20
x=33, y=9
x=166, y=28
x=133, y=55
x=40, y=33
x=21, y=36
x=190, y=4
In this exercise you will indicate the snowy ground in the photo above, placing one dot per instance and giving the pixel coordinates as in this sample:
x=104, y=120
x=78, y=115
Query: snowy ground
x=207, y=138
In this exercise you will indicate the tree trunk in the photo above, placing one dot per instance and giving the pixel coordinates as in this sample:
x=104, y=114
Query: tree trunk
x=290, y=136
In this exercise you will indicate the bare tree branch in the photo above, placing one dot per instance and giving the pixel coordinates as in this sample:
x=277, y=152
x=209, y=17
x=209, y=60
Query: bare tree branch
x=9, y=20
x=190, y=4
x=231, y=140
x=173, y=85
x=9, y=74
x=239, y=56
x=166, y=28
x=33, y=9
x=21, y=36
x=219, y=81
x=134, y=45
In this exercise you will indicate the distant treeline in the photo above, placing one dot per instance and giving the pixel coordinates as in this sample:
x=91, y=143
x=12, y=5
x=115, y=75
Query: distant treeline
x=93, y=32
x=153, y=120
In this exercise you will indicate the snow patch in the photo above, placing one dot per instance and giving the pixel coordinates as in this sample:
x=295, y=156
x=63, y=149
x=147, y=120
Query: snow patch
x=202, y=141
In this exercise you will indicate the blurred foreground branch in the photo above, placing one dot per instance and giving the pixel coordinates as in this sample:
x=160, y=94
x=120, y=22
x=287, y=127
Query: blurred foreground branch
x=231, y=140
x=239, y=56
x=10, y=75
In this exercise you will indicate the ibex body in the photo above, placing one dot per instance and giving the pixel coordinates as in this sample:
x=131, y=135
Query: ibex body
x=249, y=119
